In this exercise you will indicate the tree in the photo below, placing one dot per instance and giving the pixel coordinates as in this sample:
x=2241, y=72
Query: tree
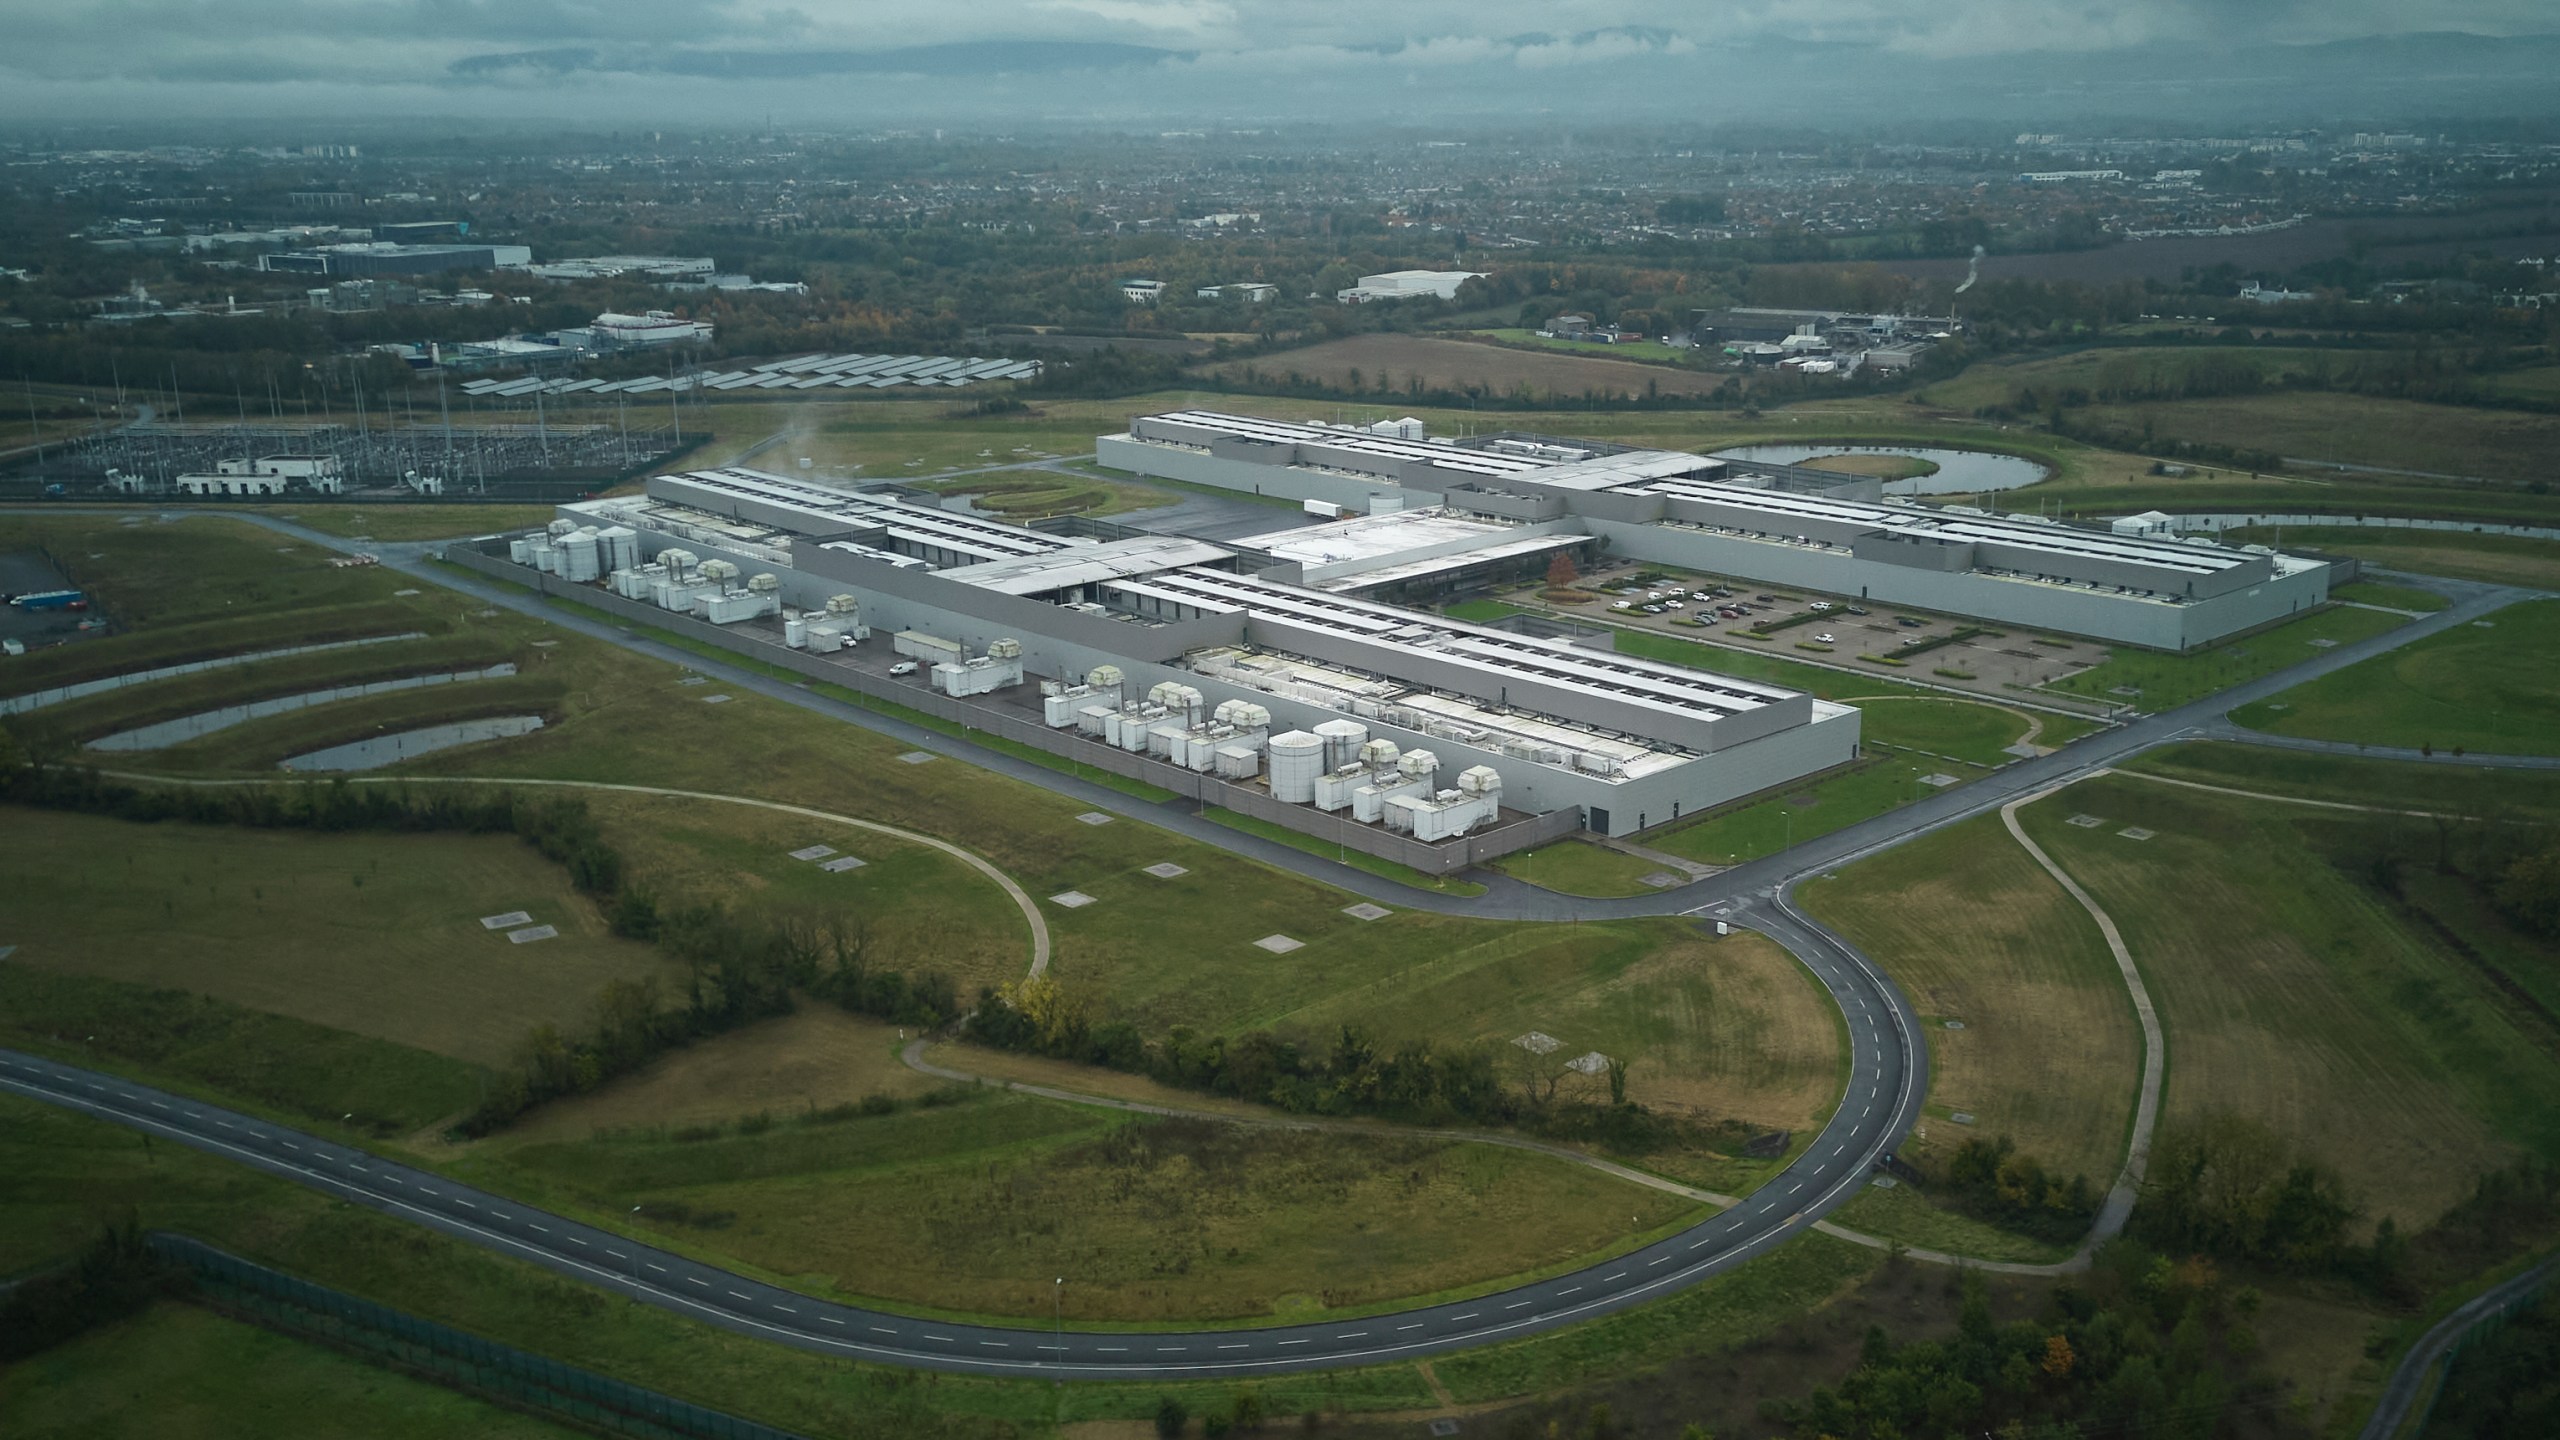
x=1560, y=571
x=1171, y=1417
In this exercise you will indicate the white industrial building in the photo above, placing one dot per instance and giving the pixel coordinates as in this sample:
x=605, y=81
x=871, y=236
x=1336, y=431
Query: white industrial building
x=267, y=475
x=1407, y=285
x=1785, y=525
x=1163, y=645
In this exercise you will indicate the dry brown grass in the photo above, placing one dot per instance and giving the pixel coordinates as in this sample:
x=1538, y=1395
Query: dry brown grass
x=377, y=934
x=2292, y=996
x=2049, y=1054
x=1390, y=361
x=815, y=1059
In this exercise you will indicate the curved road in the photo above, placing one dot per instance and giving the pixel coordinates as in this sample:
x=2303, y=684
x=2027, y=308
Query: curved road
x=1888, y=1077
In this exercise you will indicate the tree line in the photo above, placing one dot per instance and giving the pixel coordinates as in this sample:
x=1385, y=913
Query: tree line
x=1416, y=1080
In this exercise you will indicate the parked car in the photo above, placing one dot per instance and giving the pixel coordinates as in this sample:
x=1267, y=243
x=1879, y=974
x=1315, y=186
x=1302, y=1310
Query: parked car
x=1675, y=604
x=1624, y=605
x=1820, y=605
x=1824, y=639
x=1907, y=623
x=903, y=667
x=1857, y=609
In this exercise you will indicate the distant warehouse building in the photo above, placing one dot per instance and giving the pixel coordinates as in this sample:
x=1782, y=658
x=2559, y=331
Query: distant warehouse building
x=1831, y=533
x=1407, y=285
x=386, y=258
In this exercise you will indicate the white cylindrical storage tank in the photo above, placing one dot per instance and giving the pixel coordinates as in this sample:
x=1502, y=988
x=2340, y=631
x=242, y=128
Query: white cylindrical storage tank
x=795, y=633
x=578, y=559
x=545, y=556
x=1297, y=759
x=1342, y=741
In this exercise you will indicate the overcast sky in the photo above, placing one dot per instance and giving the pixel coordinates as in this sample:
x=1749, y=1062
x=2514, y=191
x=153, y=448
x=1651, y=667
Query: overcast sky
x=633, y=58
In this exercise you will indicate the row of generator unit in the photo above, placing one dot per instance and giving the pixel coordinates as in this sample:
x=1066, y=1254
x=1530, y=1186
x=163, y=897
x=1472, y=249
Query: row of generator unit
x=580, y=554
x=826, y=631
x=1335, y=767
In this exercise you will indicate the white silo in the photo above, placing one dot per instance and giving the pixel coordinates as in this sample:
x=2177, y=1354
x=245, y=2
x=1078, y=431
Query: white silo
x=579, y=561
x=1297, y=760
x=1342, y=742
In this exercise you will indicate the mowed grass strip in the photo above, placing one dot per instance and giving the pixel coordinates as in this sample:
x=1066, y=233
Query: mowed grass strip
x=133, y=651
x=131, y=707
x=1579, y=867
x=974, y=1208
x=2161, y=681
x=178, y=1371
x=2491, y=686
x=378, y=935
x=1752, y=828
x=2294, y=995
x=1975, y=933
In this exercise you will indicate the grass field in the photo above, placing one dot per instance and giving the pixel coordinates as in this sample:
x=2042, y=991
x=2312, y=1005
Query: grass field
x=1653, y=350
x=2497, y=559
x=416, y=522
x=811, y=1060
x=1903, y=1213
x=2351, y=780
x=2361, y=430
x=1023, y=496
x=178, y=1372
x=1716, y=1029
x=1765, y=826
x=972, y=1208
x=1579, y=867
x=2292, y=993
x=376, y=935
x=2049, y=1054
x=2164, y=682
x=2488, y=686
x=2390, y=597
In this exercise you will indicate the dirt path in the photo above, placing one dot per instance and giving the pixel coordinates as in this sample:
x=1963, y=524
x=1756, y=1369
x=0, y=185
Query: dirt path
x=2155, y=1056
x=2282, y=799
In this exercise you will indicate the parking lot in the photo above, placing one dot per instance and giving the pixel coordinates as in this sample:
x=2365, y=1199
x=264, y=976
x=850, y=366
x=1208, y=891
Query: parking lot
x=1827, y=630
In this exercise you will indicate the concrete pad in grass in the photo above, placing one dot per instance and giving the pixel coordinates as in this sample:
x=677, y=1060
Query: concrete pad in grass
x=813, y=852
x=1167, y=870
x=531, y=933
x=508, y=921
x=1279, y=944
x=1094, y=817
x=1366, y=911
x=1071, y=899
x=840, y=864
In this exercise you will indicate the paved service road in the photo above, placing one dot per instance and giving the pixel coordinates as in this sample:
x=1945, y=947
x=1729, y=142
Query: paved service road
x=1888, y=1078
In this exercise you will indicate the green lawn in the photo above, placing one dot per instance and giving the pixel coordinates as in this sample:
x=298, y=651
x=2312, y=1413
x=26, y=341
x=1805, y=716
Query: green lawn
x=416, y=522
x=1579, y=867
x=2352, y=780
x=179, y=1372
x=2393, y=597
x=2491, y=686
x=1764, y=826
x=2164, y=682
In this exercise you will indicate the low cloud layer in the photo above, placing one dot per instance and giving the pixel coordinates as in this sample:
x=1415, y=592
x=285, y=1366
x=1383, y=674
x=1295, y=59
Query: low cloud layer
x=147, y=57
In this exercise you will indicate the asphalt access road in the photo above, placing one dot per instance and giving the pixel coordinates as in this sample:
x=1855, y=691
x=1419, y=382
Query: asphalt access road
x=1887, y=1080
x=1883, y=1097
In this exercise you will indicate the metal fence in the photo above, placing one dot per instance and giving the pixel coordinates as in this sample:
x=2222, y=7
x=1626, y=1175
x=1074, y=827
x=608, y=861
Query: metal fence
x=1445, y=857
x=446, y=1355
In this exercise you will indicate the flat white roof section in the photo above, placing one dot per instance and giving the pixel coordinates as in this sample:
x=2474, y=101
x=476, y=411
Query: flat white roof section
x=1370, y=537
x=1086, y=565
